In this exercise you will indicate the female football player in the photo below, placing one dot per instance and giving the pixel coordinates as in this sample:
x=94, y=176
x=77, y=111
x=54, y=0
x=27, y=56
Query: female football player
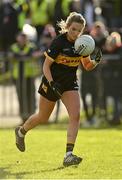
x=60, y=82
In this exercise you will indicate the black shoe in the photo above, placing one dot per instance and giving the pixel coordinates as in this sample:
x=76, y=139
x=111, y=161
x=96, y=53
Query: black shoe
x=71, y=160
x=19, y=140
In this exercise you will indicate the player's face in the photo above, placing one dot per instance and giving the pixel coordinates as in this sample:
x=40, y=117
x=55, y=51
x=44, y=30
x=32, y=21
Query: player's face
x=74, y=30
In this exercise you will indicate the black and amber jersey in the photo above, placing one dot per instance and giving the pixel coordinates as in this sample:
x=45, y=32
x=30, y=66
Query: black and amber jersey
x=64, y=66
x=62, y=51
x=66, y=60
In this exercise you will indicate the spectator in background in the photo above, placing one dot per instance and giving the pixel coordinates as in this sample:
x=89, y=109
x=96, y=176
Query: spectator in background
x=99, y=33
x=46, y=38
x=8, y=29
x=112, y=13
x=39, y=15
x=112, y=77
x=113, y=42
x=48, y=35
x=87, y=9
x=8, y=24
x=23, y=9
x=24, y=72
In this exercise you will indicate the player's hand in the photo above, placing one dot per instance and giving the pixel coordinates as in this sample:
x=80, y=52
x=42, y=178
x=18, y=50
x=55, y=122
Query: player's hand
x=56, y=88
x=98, y=56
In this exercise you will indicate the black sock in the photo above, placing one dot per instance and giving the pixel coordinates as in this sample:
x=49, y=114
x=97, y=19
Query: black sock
x=22, y=130
x=69, y=147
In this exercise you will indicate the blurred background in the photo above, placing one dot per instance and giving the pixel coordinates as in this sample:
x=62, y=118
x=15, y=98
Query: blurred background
x=27, y=28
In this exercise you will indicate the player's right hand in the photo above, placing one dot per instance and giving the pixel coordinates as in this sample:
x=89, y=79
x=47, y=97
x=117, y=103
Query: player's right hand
x=56, y=88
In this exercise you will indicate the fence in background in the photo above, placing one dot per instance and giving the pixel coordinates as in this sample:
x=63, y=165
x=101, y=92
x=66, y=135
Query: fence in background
x=17, y=86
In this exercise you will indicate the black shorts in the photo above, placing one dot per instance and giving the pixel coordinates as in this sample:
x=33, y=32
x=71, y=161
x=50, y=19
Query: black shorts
x=46, y=91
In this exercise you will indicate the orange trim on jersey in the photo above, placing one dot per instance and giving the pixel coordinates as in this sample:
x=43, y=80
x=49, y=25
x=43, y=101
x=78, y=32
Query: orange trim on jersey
x=88, y=64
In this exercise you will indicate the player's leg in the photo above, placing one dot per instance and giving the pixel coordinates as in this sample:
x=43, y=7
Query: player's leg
x=71, y=100
x=45, y=109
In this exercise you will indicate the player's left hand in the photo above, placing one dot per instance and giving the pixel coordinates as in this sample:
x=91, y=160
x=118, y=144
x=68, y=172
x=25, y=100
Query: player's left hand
x=98, y=56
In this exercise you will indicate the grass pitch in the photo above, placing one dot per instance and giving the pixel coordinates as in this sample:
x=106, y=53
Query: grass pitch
x=101, y=150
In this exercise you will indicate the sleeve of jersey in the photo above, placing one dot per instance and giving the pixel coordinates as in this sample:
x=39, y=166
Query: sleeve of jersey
x=87, y=63
x=54, y=50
